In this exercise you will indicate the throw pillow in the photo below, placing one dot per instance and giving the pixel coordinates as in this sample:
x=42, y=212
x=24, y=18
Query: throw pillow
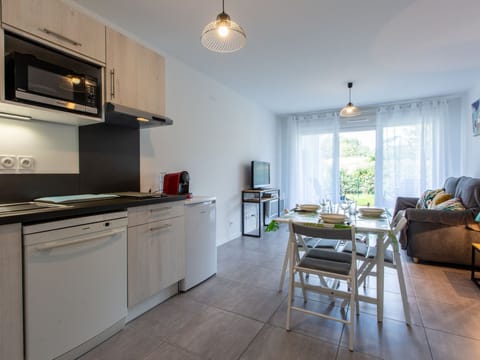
x=440, y=198
x=451, y=205
x=427, y=198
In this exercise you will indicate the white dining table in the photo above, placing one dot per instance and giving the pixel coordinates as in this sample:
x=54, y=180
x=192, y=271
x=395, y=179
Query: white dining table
x=380, y=226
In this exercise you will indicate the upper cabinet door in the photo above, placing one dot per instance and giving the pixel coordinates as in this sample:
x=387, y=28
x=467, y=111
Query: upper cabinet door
x=135, y=75
x=57, y=23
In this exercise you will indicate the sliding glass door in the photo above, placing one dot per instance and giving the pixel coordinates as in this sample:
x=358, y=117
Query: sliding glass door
x=357, y=166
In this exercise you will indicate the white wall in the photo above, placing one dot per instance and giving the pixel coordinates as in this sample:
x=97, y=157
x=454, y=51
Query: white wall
x=215, y=135
x=53, y=146
x=471, y=145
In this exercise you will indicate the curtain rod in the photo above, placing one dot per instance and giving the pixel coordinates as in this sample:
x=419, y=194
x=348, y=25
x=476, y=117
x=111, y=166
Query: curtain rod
x=372, y=108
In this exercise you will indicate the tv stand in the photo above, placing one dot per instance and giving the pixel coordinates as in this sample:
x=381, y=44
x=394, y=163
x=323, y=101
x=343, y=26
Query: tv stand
x=259, y=206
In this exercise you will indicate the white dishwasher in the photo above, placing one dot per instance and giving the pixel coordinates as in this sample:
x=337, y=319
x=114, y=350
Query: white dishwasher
x=200, y=241
x=75, y=273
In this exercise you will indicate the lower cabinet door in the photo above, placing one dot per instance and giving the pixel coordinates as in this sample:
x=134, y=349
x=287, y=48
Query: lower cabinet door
x=156, y=258
x=11, y=305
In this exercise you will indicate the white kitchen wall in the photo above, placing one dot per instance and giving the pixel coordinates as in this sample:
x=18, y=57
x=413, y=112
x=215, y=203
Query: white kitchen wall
x=471, y=145
x=54, y=147
x=215, y=135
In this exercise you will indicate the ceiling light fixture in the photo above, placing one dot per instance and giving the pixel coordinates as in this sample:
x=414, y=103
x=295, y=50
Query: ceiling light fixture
x=223, y=35
x=350, y=110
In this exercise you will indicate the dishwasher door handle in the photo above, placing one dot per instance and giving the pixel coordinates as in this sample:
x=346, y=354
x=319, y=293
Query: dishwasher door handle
x=56, y=244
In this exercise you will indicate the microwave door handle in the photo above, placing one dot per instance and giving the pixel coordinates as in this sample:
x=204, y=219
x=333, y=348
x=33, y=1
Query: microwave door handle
x=60, y=37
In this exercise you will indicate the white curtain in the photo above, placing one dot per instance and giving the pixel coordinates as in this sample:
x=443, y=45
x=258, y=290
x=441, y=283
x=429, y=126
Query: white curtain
x=311, y=158
x=416, y=143
x=417, y=148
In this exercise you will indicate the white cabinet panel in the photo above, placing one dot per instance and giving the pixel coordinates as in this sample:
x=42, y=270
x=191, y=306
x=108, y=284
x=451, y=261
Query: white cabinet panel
x=156, y=254
x=145, y=214
x=57, y=23
x=11, y=301
x=135, y=74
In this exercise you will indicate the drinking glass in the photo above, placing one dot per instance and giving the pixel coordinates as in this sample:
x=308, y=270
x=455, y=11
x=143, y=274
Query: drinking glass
x=323, y=205
x=353, y=208
x=345, y=205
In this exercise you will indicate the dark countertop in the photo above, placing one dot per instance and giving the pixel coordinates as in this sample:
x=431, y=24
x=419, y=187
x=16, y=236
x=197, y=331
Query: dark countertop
x=85, y=208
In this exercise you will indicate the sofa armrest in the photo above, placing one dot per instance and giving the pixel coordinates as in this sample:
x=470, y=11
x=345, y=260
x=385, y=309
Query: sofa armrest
x=451, y=218
x=403, y=203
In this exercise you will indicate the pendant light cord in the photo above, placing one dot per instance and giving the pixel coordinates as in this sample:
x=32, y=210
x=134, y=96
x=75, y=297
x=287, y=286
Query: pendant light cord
x=223, y=6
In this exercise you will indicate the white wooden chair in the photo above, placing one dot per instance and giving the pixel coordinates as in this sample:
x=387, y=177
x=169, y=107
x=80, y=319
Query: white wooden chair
x=392, y=259
x=325, y=264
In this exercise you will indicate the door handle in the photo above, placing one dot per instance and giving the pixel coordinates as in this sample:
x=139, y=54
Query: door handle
x=162, y=227
x=57, y=244
x=112, y=84
x=60, y=37
x=161, y=209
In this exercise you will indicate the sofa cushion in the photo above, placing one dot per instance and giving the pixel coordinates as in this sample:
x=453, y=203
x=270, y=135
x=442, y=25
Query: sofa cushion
x=450, y=205
x=440, y=198
x=440, y=217
x=468, y=191
x=451, y=185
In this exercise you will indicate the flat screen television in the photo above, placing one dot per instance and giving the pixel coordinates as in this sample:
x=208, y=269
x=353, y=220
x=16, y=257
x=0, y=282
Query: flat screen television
x=260, y=172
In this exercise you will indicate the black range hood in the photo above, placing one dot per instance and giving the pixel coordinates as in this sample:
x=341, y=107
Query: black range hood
x=124, y=116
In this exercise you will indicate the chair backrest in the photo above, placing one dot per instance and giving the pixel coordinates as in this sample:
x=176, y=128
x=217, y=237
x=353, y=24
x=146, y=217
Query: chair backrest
x=396, y=226
x=320, y=231
x=398, y=222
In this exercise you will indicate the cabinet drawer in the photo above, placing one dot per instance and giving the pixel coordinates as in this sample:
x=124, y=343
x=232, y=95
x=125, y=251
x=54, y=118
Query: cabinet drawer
x=156, y=258
x=149, y=213
x=57, y=23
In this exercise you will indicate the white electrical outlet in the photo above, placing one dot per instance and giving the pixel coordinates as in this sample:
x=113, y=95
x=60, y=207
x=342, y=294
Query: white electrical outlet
x=8, y=162
x=25, y=162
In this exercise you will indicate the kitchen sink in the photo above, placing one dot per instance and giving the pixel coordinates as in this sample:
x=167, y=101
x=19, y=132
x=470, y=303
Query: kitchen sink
x=28, y=207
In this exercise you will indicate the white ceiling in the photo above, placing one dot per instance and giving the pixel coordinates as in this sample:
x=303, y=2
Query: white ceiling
x=301, y=53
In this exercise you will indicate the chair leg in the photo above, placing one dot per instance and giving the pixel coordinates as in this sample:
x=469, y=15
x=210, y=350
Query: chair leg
x=289, y=302
x=284, y=266
x=403, y=288
x=364, y=272
x=304, y=292
x=324, y=283
x=357, y=302
x=291, y=287
x=353, y=297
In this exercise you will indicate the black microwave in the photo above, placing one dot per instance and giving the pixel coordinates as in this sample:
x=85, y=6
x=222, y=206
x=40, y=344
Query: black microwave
x=41, y=76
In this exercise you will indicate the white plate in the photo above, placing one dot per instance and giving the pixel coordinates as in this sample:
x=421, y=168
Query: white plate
x=309, y=207
x=371, y=212
x=333, y=218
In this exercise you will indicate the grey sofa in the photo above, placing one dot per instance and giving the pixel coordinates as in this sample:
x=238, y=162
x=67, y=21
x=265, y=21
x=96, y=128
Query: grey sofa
x=439, y=235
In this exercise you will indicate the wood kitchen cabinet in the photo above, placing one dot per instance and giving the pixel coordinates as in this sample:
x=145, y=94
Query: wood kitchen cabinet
x=135, y=75
x=11, y=302
x=156, y=249
x=57, y=23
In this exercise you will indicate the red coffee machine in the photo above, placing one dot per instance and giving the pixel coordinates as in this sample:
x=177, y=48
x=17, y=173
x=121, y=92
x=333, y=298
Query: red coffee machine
x=176, y=183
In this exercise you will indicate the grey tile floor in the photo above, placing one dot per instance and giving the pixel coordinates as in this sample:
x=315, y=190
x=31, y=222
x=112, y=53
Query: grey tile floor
x=239, y=314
